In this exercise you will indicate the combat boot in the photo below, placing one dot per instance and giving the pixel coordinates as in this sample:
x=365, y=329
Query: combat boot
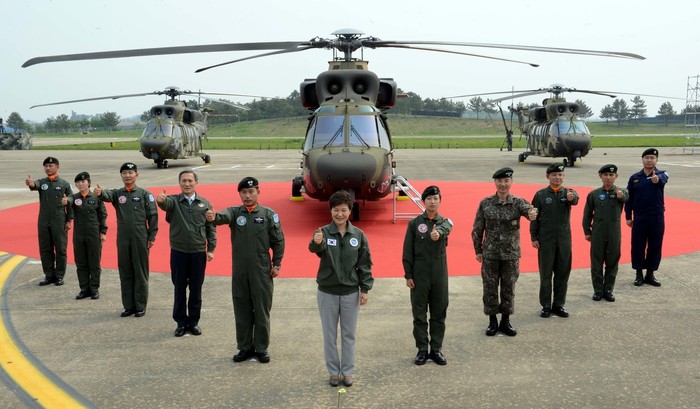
x=640, y=278
x=492, y=329
x=505, y=326
x=649, y=279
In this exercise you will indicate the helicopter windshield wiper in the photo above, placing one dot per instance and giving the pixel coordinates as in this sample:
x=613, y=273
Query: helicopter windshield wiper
x=354, y=132
x=335, y=135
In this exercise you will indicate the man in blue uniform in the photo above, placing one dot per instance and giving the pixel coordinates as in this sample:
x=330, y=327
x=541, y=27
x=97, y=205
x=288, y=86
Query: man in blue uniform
x=644, y=212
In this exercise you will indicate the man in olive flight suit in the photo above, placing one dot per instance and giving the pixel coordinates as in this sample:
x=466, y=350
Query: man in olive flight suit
x=551, y=235
x=255, y=229
x=137, y=225
x=496, y=239
x=601, y=226
x=425, y=271
x=54, y=221
x=89, y=233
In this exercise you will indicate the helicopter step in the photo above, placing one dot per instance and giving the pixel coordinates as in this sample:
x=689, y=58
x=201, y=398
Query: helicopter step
x=406, y=188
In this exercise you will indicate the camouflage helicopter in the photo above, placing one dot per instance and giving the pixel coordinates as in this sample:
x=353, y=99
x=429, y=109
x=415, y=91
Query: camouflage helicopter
x=553, y=129
x=348, y=144
x=174, y=130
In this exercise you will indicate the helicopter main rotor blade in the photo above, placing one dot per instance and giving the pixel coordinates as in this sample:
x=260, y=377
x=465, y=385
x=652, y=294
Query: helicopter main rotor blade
x=221, y=101
x=226, y=94
x=648, y=95
x=255, y=56
x=603, y=93
x=524, y=94
x=489, y=93
x=379, y=43
x=95, y=99
x=143, y=52
x=410, y=47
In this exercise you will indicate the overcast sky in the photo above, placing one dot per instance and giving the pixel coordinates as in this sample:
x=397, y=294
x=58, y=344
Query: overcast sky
x=663, y=32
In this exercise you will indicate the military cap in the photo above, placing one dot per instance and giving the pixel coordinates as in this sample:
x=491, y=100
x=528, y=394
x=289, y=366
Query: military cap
x=650, y=151
x=50, y=159
x=609, y=168
x=82, y=176
x=128, y=166
x=247, y=182
x=555, y=167
x=503, y=173
x=430, y=191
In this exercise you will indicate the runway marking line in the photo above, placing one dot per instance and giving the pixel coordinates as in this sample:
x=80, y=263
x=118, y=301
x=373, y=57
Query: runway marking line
x=33, y=383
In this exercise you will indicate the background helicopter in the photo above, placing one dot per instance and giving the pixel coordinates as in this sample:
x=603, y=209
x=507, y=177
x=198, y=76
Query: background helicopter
x=174, y=130
x=553, y=129
x=348, y=143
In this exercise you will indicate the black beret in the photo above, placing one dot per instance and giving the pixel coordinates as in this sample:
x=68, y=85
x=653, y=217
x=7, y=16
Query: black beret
x=609, y=168
x=247, y=182
x=503, y=173
x=555, y=167
x=650, y=151
x=430, y=191
x=82, y=176
x=51, y=159
x=128, y=166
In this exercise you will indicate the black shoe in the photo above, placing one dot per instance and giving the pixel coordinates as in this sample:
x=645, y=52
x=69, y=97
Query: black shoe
x=597, y=296
x=438, y=357
x=195, y=330
x=492, y=329
x=507, y=329
x=422, y=357
x=546, y=312
x=639, y=280
x=126, y=313
x=243, y=355
x=649, y=279
x=83, y=294
x=47, y=281
x=560, y=311
x=139, y=314
x=263, y=357
x=609, y=297
x=59, y=281
x=95, y=295
x=179, y=331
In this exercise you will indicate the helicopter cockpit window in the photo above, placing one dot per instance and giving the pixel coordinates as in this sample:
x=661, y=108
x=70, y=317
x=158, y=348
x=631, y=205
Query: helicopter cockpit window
x=157, y=128
x=327, y=129
x=363, y=131
x=572, y=127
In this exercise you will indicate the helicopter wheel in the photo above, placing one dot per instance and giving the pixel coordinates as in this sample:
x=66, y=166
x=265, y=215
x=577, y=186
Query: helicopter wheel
x=355, y=211
x=159, y=164
x=165, y=164
x=207, y=159
x=521, y=158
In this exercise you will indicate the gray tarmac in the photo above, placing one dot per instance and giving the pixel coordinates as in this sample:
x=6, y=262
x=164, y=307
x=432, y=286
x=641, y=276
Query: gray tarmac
x=642, y=351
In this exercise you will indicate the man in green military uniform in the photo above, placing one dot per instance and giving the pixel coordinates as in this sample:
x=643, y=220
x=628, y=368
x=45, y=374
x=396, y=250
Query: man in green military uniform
x=255, y=230
x=551, y=235
x=137, y=225
x=496, y=239
x=192, y=245
x=54, y=221
x=601, y=226
x=425, y=270
x=89, y=234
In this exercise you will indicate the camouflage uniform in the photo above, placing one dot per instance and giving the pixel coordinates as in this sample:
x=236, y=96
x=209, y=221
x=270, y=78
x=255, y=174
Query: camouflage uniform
x=496, y=236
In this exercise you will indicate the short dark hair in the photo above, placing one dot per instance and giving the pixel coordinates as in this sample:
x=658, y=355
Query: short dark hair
x=196, y=179
x=339, y=198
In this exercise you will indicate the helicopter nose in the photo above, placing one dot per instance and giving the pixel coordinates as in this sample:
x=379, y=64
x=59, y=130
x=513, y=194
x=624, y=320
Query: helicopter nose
x=346, y=168
x=150, y=145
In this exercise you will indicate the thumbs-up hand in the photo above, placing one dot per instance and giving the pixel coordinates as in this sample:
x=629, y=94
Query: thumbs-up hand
x=318, y=236
x=618, y=193
x=161, y=197
x=532, y=213
x=434, y=234
x=29, y=182
x=654, y=177
x=97, y=191
x=210, y=215
x=64, y=200
x=569, y=195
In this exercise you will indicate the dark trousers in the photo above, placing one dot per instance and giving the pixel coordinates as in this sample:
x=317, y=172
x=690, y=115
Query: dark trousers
x=430, y=295
x=187, y=270
x=555, y=267
x=52, y=249
x=647, y=239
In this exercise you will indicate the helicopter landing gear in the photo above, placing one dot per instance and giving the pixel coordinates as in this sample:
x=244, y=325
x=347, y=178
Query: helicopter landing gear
x=162, y=164
x=356, y=211
x=206, y=159
x=569, y=162
x=521, y=158
x=297, y=184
